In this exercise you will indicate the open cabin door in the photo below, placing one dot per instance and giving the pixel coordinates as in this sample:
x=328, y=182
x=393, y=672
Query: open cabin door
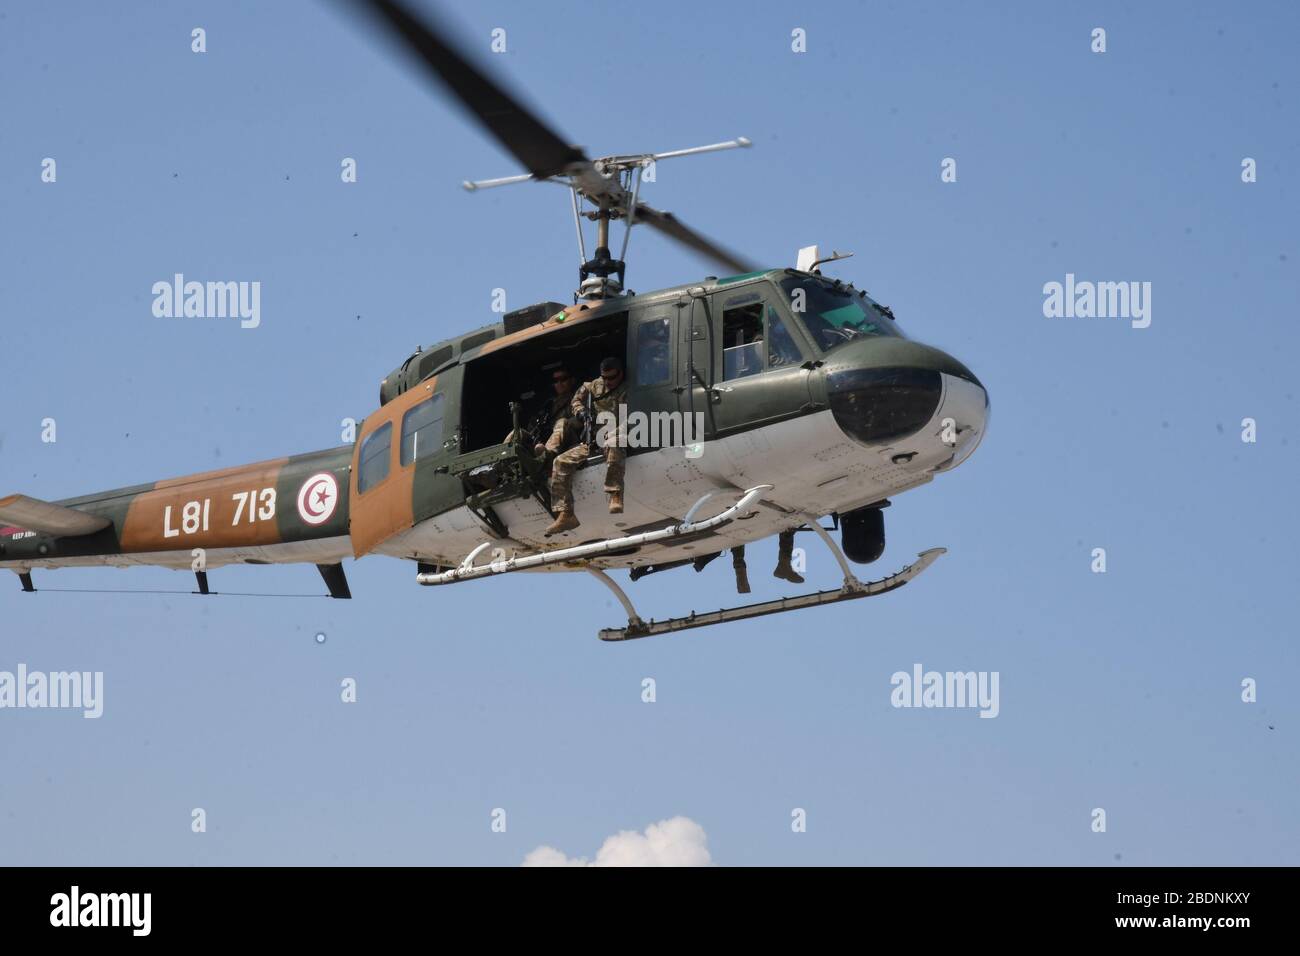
x=399, y=463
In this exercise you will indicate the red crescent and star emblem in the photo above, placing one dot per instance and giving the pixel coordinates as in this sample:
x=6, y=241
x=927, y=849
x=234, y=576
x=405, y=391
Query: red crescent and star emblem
x=317, y=498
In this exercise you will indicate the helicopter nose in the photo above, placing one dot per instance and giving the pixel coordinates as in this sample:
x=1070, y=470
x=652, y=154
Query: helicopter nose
x=885, y=393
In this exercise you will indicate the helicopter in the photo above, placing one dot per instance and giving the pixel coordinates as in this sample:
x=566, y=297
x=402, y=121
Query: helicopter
x=797, y=395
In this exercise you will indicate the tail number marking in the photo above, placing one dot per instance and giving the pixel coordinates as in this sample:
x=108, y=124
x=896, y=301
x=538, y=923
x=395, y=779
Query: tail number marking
x=194, y=517
x=250, y=506
x=261, y=505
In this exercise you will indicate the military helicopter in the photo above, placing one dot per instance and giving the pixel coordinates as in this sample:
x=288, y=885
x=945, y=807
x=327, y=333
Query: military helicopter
x=800, y=398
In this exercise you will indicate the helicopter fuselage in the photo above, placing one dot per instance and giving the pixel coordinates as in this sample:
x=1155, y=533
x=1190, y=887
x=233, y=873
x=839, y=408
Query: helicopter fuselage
x=778, y=377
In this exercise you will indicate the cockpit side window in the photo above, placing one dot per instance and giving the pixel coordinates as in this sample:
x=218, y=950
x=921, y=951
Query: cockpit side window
x=755, y=338
x=742, y=340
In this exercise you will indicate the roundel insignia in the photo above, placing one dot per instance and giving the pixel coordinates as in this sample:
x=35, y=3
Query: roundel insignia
x=317, y=498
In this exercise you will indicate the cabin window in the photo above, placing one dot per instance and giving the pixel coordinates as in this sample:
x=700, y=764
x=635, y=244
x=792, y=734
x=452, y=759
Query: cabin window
x=375, y=457
x=653, y=344
x=422, y=430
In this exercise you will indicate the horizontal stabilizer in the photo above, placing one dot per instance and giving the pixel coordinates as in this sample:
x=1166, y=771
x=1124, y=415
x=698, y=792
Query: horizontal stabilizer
x=32, y=514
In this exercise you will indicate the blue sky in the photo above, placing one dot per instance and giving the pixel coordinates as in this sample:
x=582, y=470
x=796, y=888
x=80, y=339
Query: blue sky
x=1119, y=690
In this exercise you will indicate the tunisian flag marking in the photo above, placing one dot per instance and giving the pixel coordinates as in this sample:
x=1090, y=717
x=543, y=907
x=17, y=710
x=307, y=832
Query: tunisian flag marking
x=317, y=498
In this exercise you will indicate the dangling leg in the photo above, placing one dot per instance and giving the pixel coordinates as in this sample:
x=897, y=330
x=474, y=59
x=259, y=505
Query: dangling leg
x=742, y=572
x=615, y=460
x=562, y=489
x=785, y=550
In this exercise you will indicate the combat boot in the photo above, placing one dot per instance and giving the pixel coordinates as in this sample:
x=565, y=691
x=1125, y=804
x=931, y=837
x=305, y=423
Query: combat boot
x=784, y=569
x=564, y=521
x=616, y=502
x=742, y=575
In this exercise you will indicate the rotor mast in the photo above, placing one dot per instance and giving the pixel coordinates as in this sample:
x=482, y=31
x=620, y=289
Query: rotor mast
x=612, y=187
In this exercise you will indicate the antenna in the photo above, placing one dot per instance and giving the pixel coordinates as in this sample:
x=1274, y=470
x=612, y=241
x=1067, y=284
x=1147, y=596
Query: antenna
x=808, y=259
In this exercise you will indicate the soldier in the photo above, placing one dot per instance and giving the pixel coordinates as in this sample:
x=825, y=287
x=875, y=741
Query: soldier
x=605, y=395
x=552, y=427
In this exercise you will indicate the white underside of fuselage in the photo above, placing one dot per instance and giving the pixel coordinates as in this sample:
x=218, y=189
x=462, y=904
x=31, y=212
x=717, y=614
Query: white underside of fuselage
x=814, y=469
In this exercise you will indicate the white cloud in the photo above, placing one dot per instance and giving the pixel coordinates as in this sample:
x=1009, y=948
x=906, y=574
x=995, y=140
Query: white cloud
x=676, y=842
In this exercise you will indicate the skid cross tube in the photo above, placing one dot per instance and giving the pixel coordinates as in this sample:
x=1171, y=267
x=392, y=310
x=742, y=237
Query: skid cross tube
x=851, y=583
x=468, y=570
x=633, y=619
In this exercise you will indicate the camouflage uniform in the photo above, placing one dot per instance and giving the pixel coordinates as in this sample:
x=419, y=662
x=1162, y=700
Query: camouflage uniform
x=603, y=399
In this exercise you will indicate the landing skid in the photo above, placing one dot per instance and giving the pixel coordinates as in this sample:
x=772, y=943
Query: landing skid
x=851, y=590
x=574, y=558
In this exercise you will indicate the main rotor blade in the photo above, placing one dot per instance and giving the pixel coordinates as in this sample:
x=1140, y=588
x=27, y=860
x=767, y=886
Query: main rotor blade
x=671, y=226
x=518, y=129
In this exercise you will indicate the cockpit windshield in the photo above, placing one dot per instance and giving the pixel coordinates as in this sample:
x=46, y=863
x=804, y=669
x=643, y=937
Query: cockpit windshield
x=834, y=313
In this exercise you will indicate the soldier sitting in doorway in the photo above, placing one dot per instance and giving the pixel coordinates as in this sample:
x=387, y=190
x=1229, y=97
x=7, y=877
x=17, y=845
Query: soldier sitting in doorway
x=603, y=394
x=552, y=429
